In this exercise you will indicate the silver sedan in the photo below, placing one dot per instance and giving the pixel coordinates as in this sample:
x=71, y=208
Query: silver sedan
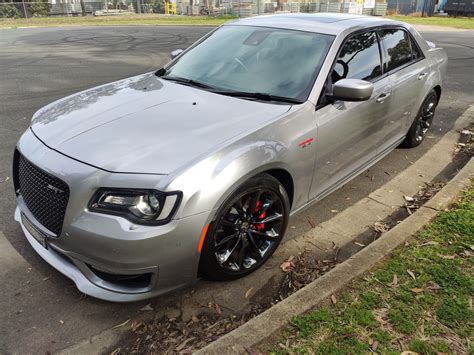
x=137, y=187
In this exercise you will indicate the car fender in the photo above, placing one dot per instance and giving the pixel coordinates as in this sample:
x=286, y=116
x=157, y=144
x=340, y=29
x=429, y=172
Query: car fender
x=285, y=144
x=210, y=182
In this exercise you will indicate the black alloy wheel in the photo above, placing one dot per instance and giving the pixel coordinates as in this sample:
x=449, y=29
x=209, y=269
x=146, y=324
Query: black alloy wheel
x=247, y=230
x=423, y=121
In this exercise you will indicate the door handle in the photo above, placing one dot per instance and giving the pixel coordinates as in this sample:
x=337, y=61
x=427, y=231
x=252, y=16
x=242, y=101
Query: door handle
x=382, y=97
x=421, y=76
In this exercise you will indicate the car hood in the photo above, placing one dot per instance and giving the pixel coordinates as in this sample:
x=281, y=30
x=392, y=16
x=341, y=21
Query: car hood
x=146, y=125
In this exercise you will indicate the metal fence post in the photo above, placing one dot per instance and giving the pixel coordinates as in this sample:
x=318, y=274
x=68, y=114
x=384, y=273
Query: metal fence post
x=24, y=9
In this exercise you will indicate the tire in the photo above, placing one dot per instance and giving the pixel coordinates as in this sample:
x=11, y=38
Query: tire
x=417, y=132
x=247, y=229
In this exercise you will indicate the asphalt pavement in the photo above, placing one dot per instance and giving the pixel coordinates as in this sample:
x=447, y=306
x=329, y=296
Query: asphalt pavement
x=40, y=310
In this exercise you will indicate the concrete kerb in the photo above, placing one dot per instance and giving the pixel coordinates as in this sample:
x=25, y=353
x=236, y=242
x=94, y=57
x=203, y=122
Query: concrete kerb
x=274, y=319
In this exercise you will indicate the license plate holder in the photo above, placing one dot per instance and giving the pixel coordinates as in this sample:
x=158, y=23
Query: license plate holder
x=39, y=236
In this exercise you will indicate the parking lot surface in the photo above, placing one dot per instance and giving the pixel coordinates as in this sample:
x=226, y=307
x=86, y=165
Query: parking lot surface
x=40, y=309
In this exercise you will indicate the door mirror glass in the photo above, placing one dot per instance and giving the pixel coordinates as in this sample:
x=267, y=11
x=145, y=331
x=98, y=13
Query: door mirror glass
x=176, y=53
x=352, y=90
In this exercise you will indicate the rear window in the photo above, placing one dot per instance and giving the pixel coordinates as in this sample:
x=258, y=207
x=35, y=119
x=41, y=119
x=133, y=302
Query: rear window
x=398, y=48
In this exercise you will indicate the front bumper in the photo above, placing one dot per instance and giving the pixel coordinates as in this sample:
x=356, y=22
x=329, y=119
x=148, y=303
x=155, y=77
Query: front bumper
x=174, y=275
x=107, y=256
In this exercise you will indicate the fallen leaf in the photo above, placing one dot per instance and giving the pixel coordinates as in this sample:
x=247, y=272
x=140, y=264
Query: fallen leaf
x=408, y=198
x=411, y=274
x=121, y=324
x=447, y=257
x=195, y=319
x=61, y=321
x=359, y=244
x=416, y=290
x=334, y=211
x=375, y=345
x=136, y=325
x=333, y=299
x=311, y=222
x=433, y=286
x=395, y=280
x=407, y=352
x=148, y=307
x=249, y=291
x=429, y=243
x=380, y=227
x=288, y=264
x=293, y=227
x=183, y=344
x=218, y=309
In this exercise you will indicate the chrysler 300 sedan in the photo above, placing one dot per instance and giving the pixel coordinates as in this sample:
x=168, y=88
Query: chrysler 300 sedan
x=138, y=187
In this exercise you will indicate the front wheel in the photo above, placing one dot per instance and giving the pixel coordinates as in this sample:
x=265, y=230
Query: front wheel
x=422, y=122
x=247, y=230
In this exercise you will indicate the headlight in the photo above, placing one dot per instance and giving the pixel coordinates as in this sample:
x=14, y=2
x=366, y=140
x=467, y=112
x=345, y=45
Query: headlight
x=149, y=207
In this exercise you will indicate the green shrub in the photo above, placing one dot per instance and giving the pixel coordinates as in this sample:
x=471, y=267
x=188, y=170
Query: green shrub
x=9, y=11
x=38, y=8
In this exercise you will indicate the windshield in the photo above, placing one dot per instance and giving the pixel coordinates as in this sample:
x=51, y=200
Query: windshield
x=277, y=62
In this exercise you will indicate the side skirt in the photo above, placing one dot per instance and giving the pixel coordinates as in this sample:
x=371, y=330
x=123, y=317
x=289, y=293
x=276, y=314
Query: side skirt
x=349, y=177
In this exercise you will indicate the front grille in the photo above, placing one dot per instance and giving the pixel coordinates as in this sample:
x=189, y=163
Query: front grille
x=45, y=195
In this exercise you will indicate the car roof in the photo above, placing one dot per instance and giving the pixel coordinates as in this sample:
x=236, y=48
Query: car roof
x=327, y=23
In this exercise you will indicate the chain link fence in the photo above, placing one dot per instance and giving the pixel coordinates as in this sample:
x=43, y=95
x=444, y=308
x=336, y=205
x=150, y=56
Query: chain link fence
x=241, y=8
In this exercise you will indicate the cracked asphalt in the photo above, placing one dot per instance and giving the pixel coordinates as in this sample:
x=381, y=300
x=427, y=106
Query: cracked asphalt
x=40, y=310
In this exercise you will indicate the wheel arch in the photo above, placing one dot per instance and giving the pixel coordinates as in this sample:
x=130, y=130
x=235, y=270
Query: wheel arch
x=437, y=89
x=276, y=170
x=285, y=178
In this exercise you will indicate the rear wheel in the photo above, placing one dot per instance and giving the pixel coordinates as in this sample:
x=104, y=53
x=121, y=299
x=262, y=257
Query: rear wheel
x=422, y=122
x=247, y=230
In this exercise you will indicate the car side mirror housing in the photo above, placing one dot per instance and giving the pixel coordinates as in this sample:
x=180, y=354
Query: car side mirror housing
x=352, y=90
x=176, y=53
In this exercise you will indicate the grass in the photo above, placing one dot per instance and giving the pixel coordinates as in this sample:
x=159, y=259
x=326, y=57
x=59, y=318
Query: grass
x=445, y=21
x=418, y=300
x=125, y=20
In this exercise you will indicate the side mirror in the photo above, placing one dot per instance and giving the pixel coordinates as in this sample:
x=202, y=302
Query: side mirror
x=352, y=90
x=176, y=53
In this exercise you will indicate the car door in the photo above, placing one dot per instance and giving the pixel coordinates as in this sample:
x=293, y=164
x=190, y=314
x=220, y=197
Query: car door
x=408, y=71
x=349, y=133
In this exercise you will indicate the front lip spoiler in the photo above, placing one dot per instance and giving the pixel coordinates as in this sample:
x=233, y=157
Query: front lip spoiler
x=70, y=270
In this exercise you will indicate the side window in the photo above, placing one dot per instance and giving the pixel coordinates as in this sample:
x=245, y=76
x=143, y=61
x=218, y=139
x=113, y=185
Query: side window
x=398, y=48
x=359, y=58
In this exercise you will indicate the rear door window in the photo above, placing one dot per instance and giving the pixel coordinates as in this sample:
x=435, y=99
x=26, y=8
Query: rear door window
x=398, y=48
x=359, y=58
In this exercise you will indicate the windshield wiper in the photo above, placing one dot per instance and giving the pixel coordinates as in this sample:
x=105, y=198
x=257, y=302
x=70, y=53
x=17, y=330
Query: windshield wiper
x=260, y=96
x=185, y=81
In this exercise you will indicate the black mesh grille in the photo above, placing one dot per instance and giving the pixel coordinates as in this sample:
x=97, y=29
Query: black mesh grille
x=45, y=196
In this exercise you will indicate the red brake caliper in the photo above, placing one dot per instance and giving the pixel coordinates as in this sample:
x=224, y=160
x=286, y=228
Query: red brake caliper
x=260, y=226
